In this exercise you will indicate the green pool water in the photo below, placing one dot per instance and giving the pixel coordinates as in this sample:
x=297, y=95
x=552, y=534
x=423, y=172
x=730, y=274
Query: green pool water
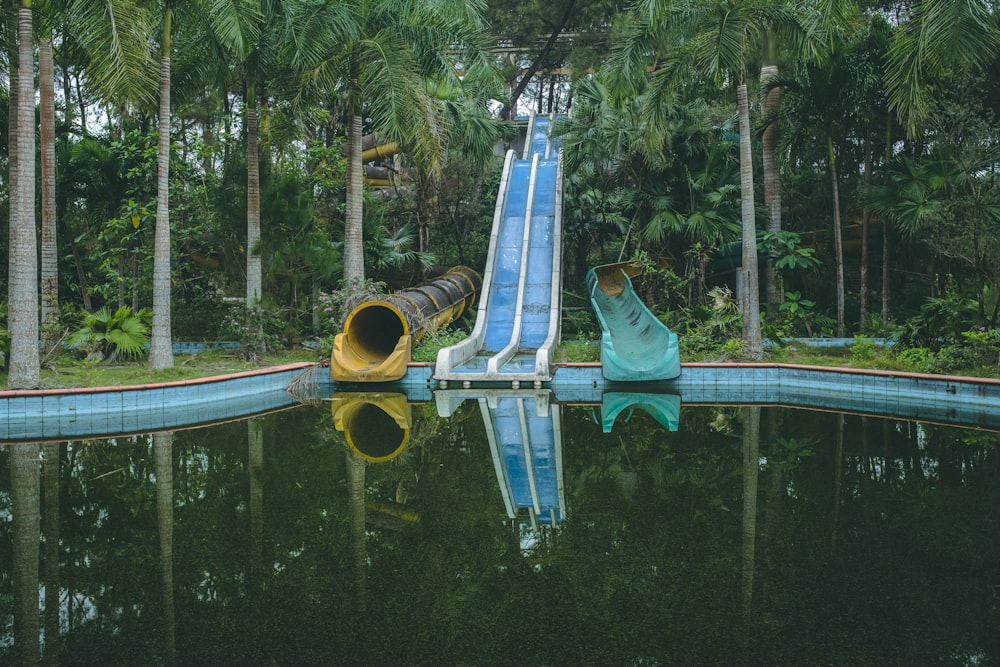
x=749, y=535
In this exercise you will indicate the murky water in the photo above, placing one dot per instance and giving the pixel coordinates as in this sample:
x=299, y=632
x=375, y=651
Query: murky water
x=748, y=535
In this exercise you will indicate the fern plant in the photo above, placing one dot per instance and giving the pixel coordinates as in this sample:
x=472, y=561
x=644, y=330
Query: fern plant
x=113, y=334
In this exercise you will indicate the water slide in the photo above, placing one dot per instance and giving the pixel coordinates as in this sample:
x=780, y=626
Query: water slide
x=517, y=322
x=635, y=345
x=379, y=334
x=372, y=150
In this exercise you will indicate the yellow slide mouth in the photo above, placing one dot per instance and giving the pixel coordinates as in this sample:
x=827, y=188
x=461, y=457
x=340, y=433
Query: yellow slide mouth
x=379, y=335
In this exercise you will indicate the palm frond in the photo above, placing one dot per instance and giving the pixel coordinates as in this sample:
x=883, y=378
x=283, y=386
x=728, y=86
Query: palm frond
x=115, y=37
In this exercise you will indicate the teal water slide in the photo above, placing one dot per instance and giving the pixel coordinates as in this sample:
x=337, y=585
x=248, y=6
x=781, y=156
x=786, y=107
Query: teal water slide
x=635, y=344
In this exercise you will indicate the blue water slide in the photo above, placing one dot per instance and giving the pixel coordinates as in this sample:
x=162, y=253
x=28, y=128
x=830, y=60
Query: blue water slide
x=635, y=344
x=517, y=324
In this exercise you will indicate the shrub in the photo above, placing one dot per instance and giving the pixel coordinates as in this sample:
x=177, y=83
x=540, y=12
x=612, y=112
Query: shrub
x=953, y=358
x=109, y=335
x=428, y=348
x=917, y=358
x=863, y=350
x=334, y=306
x=258, y=329
x=578, y=350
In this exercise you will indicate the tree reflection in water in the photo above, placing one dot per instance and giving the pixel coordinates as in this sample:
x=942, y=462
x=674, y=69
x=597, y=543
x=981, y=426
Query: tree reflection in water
x=756, y=535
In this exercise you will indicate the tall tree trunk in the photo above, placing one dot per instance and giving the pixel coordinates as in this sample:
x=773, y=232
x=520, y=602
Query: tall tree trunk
x=885, y=229
x=81, y=275
x=50, y=251
x=12, y=111
x=160, y=345
x=82, y=104
x=354, y=258
x=774, y=291
x=838, y=237
x=865, y=214
x=753, y=347
x=25, y=503
x=254, y=269
x=22, y=308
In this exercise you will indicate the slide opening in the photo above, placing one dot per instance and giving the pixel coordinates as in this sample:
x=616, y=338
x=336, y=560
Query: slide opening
x=374, y=329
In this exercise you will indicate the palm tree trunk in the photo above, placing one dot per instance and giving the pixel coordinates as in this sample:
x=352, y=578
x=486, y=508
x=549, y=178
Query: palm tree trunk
x=254, y=269
x=354, y=260
x=22, y=308
x=753, y=347
x=772, y=186
x=863, y=289
x=160, y=345
x=885, y=230
x=838, y=237
x=50, y=252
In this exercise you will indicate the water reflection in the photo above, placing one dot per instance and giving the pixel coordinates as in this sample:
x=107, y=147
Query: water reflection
x=506, y=528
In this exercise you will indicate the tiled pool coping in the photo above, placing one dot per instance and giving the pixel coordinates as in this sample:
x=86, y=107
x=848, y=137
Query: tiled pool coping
x=27, y=415
x=940, y=398
x=49, y=414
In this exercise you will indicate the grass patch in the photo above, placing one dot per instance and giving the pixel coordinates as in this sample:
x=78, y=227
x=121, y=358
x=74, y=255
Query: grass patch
x=67, y=372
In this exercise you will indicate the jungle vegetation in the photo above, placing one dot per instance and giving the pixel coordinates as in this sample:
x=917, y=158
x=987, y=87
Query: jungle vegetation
x=780, y=169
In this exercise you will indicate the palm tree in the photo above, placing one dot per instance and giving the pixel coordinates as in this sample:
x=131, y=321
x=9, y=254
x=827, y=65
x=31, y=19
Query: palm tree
x=375, y=55
x=939, y=35
x=715, y=38
x=823, y=22
x=772, y=173
x=719, y=38
x=22, y=311
x=47, y=137
x=750, y=289
x=161, y=353
x=240, y=27
x=824, y=110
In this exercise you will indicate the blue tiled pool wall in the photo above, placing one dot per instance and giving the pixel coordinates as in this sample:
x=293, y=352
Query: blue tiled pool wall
x=73, y=415
x=48, y=416
x=916, y=397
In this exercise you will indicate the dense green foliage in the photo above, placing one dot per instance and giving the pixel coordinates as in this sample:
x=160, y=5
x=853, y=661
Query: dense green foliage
x=886, y=155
